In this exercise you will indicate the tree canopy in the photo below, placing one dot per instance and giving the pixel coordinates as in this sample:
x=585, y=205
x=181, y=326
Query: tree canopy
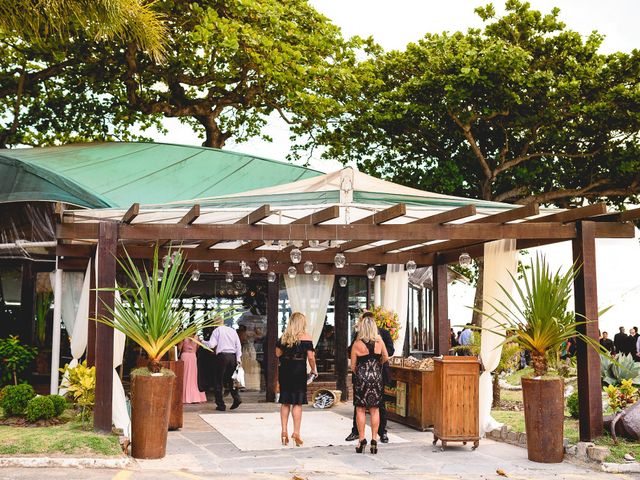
x=524, y=110
x=227, y=66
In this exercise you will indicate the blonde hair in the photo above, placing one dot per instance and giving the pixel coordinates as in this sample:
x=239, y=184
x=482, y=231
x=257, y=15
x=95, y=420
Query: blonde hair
x=367, y=328
x=295, y=328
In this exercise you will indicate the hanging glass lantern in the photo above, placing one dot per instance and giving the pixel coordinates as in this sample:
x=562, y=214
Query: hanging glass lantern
x=246, y=271
x=271, y=276
x=292, y=272
x=316, y=275
x=464, y=260
x=176, y=257
x=314, y=243
x=263, y=264
x=342, y=281
x=166, y=261
x=296, y=255
x=371, y=273
x=340, y=260
x=228, y=277
x=160, y=274
x=308, y=266
x=411, y=267
x=195, y=275
x=216, y=265
x=242, y=264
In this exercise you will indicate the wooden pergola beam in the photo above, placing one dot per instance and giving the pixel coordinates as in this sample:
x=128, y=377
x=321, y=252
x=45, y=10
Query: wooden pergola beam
x=624, y=216
x=573, y=214
x=191, y=216
x=252, y=218
x=132, y=213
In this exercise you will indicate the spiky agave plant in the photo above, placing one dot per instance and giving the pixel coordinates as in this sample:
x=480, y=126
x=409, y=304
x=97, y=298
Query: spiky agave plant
x=145, y=310
x=537, y=317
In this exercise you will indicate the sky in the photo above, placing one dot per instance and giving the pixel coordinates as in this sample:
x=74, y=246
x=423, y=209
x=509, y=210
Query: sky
x=393, y=25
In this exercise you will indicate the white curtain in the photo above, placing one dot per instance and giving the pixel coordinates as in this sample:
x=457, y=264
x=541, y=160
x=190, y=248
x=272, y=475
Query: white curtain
x=120, y=413
x=500, y=262
x=310, y=298
x=396, y=292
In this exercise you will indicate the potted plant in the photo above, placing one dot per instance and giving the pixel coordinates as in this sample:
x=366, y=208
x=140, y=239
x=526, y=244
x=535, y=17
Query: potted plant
x=147, y=313
x=537, y=319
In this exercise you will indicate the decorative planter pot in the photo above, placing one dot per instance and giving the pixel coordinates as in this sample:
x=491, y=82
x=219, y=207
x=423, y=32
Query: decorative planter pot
x=150, y=410
x=175, y=416
x=544, y=419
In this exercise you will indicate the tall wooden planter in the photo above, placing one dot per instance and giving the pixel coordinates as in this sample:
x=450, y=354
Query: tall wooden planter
x=150, y=410
x=544, y=419
x=175, y=416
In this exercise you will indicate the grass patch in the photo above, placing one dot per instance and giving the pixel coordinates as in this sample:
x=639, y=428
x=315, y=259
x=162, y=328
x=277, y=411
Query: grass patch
x=514, y=378
x=618, y=451
x=515, y=422
x=511, y=395
x=68, y=438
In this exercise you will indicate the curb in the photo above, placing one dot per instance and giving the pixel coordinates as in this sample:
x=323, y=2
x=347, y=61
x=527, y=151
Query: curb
x=73, y=462
x=621, y=467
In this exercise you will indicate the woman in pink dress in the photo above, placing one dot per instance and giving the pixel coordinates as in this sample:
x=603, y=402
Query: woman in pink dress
x=190, y=391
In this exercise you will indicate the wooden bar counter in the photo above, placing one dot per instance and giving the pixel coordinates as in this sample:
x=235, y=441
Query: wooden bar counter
x=413, y=397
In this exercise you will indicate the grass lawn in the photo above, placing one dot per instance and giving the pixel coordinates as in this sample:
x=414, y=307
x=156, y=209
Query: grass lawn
x=511, y=395
x=514, y=378
x=67, y=439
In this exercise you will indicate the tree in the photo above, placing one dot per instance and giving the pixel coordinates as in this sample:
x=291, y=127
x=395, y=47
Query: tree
x=522, y=111
x=228, y=65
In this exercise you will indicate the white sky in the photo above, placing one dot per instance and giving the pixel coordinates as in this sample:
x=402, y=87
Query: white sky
x=393, y=25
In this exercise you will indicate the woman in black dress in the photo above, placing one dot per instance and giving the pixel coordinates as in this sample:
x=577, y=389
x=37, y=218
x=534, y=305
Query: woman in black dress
x=294, y=349
x=368, y=353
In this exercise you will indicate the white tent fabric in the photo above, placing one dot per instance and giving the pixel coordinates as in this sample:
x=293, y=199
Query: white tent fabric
x=312, y=299
x=395, y=299
x=500, y=263
x=120, y=413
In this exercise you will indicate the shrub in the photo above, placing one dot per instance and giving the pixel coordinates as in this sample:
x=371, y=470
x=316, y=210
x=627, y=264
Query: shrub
x=624, y=368
x=40, y=408
x=80, y=383
x=15, y=358
x=15, y=398
x=572, y=405
x=621, y=397
x=59, y=404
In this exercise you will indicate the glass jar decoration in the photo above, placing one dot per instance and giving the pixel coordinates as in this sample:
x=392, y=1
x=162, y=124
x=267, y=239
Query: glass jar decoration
x=342, y=281
x=308, y=266
x=371, y=273
x=176, y=257
x=246, y=271
x=160, y=274
x=411, y=267
x=339, y=260
x=166, y=261
x=228, y=277
x=263, y=264
x=464, y=260
x=316, y=275
x=195, y=275
x=271, y=277
x=292, y=272
x=296, y=255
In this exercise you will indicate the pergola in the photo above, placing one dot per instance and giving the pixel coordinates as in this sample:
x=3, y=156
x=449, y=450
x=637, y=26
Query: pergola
x=228, y=231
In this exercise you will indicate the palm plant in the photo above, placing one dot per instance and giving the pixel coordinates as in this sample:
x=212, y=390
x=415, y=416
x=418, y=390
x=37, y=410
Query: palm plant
x=537, y=318
x=145, y=310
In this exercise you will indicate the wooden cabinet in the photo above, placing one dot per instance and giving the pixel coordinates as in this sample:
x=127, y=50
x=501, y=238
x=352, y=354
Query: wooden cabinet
x=413, y=400
x=456, y=383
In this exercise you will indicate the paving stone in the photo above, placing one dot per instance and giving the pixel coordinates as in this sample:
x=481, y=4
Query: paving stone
x=597, y=453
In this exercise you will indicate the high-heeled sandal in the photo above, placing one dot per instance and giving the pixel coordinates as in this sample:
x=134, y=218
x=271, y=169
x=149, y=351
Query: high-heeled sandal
x=361, y=445
x=284, y=436
x=374, y=447
x=296, y=438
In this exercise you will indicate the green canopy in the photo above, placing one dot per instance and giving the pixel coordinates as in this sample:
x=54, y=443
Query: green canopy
x=99, y=175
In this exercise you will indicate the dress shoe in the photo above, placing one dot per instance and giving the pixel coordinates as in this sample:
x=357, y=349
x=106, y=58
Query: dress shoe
x=235, y=404
x=221, y=408
x=352, y=436
x=384, y=438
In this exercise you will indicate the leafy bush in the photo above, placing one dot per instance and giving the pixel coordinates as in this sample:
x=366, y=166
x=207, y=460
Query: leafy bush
x=15, y=398
x=572, y=405
x=14, y=358
x=80, y=383
x=59, y=404
x=621, y=397
x=40, y=408
x=624, y=368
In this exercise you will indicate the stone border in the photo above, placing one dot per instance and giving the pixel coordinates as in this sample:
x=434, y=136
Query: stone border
x=73, y=462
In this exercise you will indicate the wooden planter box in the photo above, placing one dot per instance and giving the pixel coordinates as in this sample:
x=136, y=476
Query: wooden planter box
x=456, y=400
x=413, y=403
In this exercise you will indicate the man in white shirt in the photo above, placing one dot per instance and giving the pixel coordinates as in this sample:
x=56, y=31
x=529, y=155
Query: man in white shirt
x=226, y=343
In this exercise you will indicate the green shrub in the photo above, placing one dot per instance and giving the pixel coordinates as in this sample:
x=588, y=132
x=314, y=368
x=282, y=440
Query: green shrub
x=40, y=408
x=572, y=404
x=59, y=404
x=15, y=398
x=624, y=368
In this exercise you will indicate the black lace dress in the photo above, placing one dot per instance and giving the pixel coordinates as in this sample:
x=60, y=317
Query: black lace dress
x=367, y=379
x=292, y=372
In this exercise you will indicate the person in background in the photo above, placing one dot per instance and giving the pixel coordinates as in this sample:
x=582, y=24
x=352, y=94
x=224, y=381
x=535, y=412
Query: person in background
x=228, y=356
x=607, y=343
x=620, y=341
x=632, y=344
x=190, y=391
x=386, y=377
x=293, y=350
x=453, y=341
x=465, y=339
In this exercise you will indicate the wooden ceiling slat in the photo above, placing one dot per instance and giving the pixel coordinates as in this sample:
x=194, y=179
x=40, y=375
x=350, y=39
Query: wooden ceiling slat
x=252, y=218
x=572, y=214
x=191, y=216
x=623, y=216
x=132, y=213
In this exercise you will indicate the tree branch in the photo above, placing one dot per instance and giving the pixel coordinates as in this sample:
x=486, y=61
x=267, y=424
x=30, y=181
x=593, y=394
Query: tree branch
x=523, y=158
x=466, y=131
x=589, y=191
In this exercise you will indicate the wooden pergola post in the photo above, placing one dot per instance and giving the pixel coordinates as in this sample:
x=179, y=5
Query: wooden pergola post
x=341, y=318
x=106, y=255
x=271, y=362
x=586, y=307
x=441, y=324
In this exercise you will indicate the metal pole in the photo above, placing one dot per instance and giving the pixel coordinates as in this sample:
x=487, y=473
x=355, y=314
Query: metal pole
x=57, y=324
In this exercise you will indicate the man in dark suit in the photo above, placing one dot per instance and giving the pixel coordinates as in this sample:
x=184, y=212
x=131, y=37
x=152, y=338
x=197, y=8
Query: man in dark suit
x=607, y=343
x=386, y=376
x=620, y=341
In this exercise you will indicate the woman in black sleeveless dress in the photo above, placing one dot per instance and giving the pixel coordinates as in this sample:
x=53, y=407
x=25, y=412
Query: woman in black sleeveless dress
x=368, y=353
x=294, y=349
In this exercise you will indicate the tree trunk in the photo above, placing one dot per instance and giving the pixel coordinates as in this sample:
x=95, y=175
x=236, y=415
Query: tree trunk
x=214, y=137
x=496, y=391
x=476, y=319
x=539, y=364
